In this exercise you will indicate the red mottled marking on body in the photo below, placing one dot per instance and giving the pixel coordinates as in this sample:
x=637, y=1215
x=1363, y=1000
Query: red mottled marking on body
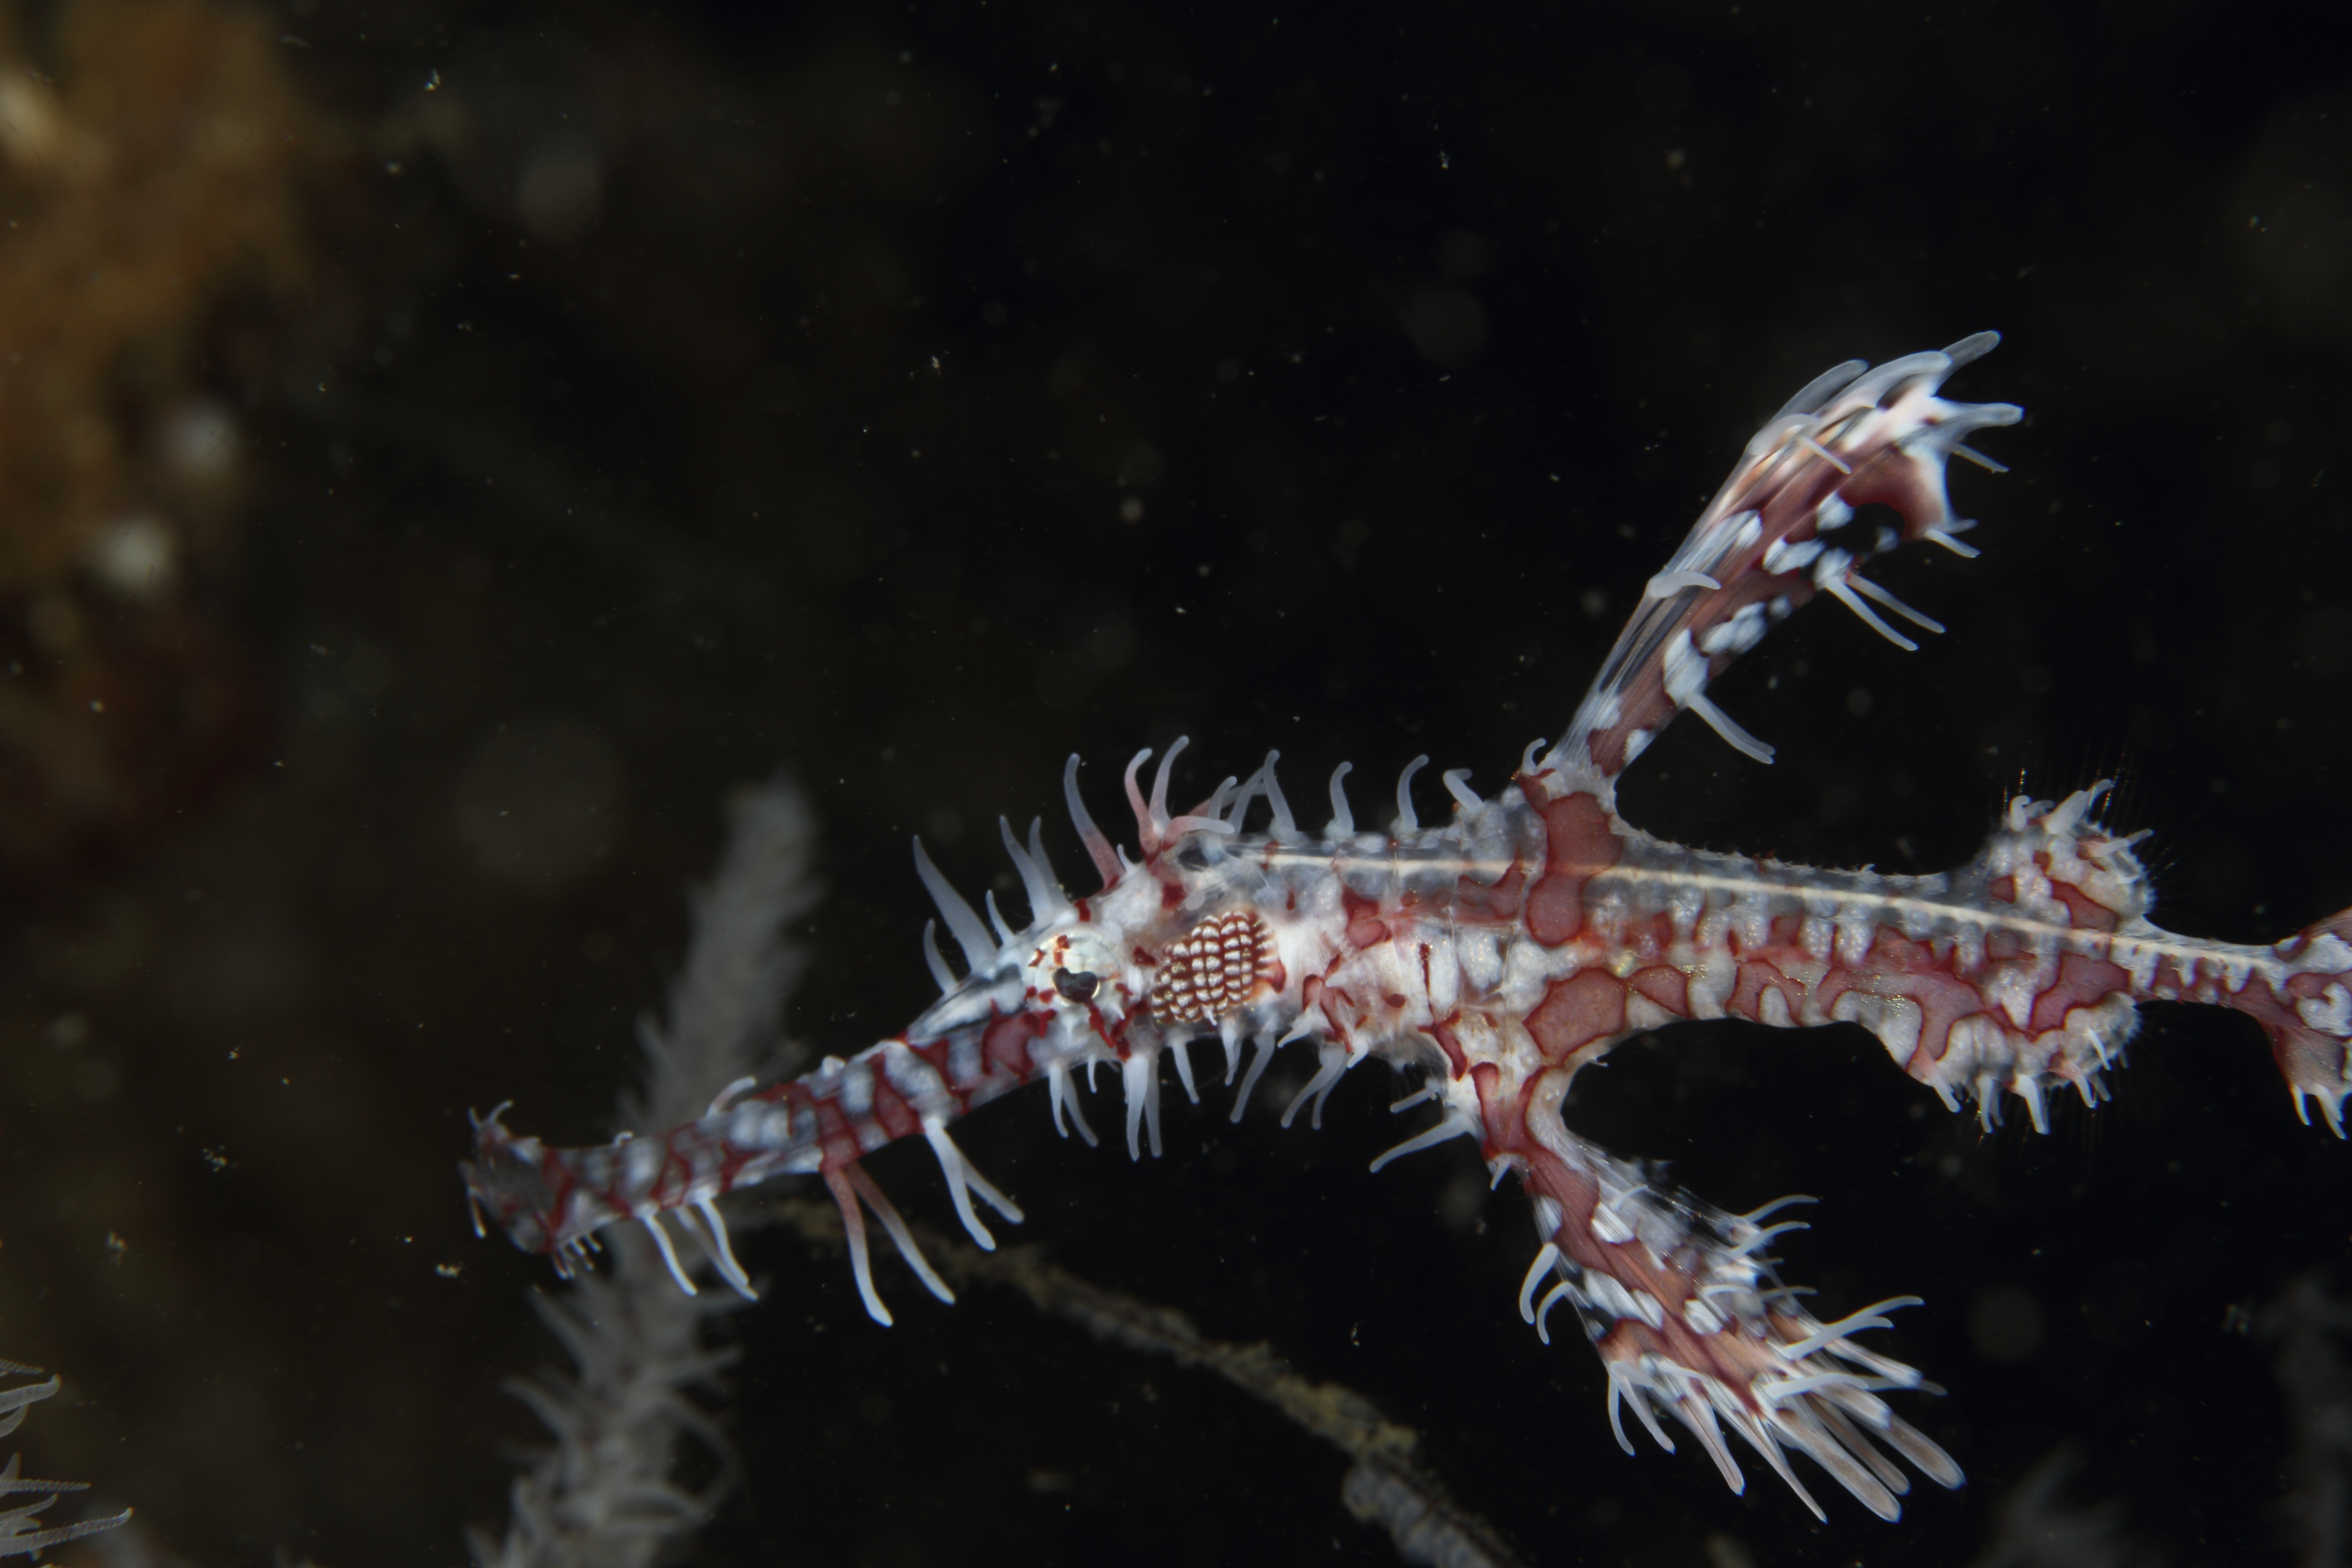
x=678, y=1168
x=1476, y=903
x=794, y=1097
x=1504, y=1114
x=1757, y=976
x=1667, y=986
x=2082, y=981
x=1578, y=844
x=2306, y=1058
x=1899, y=966
x=1112, y=1032
x=1450, y=1043
x=1652, y=938
x=1576, y=1011
x=835, y=1134
x=2339, y=925
x=2085, y=912
x=1502, y=1129
x=1889, y=479
x=2303, y=1056
x=1006, y=1042
x=1635, y=1268
x=2304, y=987
x=2004, y=889
x=1345, y=1014
x=1720, y=1355
x=1365, y=927
x=892, y=1113
x=564, y=1191
x=731, y=1161
x=935, y=1053
x=1311, y=995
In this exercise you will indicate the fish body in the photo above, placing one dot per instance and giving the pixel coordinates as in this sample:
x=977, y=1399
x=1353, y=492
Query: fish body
x=1494, y=953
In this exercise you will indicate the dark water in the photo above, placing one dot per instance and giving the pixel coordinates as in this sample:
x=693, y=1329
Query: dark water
x=906, y=397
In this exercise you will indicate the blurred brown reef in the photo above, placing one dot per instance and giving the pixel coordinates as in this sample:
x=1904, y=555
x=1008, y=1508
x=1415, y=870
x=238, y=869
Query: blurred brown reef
x=152, y=153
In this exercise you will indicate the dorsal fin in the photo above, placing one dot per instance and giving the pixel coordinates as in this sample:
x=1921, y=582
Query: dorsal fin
x=1770, y=541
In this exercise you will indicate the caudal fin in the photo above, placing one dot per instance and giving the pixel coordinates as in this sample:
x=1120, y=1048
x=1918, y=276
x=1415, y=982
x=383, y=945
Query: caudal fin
x=2309, y=1018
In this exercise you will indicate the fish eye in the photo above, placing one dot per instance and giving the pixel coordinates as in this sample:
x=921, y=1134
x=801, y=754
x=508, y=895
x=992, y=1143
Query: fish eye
x=1078, y=987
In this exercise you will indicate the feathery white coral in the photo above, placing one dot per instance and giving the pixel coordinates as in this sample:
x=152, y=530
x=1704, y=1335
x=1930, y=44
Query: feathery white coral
x=607, y=1494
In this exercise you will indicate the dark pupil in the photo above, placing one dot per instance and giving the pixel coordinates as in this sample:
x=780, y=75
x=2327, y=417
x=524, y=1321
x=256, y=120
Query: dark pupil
x=1077, y=987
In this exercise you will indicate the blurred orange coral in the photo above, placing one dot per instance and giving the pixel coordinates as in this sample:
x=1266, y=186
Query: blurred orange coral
x=155, y=179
